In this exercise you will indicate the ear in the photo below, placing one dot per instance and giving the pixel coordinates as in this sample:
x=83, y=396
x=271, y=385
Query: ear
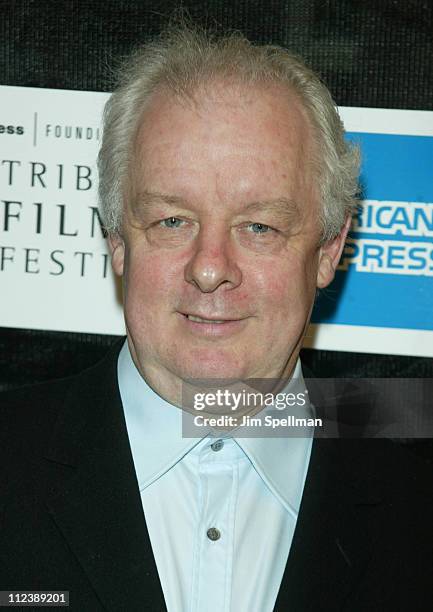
x=117, y=250
x=329, y=256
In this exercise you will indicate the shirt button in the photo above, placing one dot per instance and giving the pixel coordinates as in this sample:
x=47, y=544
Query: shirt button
x=213, y=534
x=216, y=446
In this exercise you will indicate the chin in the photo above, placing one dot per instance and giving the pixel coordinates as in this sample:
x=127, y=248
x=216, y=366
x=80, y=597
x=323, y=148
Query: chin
x=210, y=366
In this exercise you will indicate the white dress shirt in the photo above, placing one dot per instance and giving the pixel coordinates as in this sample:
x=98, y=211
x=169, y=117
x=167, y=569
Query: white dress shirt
x=220, y=512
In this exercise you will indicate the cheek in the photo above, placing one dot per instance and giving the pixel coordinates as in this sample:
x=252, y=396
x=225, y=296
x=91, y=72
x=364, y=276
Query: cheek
x=288, y=288
x=149, y=278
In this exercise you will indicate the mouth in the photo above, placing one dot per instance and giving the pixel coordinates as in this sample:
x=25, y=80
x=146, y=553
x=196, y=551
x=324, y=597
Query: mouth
x=211, y=326
x=197, y=319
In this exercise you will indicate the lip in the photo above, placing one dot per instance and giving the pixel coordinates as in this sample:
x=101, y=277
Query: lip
x=227, y=328
x=202, y=316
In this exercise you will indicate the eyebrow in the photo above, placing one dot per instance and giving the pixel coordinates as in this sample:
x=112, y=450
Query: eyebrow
x=284, y=208
x=147, y=198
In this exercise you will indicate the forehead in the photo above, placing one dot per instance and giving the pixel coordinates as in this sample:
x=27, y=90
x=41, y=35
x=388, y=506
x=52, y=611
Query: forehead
x=231, y=140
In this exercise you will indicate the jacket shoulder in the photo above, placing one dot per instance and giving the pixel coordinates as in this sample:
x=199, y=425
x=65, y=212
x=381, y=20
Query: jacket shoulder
x=28, y=414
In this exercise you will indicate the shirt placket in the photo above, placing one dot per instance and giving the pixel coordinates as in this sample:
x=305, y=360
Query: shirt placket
x=218, y=487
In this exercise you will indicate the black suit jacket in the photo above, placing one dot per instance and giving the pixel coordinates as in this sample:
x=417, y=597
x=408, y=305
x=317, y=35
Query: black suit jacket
x=71, y=516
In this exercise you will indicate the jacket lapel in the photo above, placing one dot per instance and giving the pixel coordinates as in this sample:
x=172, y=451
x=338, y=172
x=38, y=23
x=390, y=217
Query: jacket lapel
x=94, y=497
x=335, y=532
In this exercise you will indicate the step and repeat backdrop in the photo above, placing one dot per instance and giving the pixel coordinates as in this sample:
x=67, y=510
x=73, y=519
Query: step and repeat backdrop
x=52, y=247
x=60, y=305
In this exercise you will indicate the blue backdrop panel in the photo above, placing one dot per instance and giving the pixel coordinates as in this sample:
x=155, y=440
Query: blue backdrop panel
x=399, y=293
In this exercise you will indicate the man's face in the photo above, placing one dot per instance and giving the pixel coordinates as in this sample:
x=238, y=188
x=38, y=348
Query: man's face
x=223, y=226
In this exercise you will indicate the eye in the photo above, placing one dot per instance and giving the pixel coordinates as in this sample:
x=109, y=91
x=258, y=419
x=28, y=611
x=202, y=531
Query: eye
x=171, y=222
x=260, y=228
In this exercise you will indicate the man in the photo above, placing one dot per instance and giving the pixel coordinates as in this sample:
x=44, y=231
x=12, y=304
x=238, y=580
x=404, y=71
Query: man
x=226, y=190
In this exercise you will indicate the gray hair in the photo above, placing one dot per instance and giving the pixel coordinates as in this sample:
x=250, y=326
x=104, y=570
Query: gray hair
x=181, y=61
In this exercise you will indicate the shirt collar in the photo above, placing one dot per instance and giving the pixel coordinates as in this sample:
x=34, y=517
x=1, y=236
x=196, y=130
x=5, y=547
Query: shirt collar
x=155, y=434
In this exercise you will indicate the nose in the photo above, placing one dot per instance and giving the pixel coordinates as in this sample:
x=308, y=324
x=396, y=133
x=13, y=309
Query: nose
x=213, y=262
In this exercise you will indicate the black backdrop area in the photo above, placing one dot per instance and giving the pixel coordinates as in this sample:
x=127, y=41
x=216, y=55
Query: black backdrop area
x=376, y=54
